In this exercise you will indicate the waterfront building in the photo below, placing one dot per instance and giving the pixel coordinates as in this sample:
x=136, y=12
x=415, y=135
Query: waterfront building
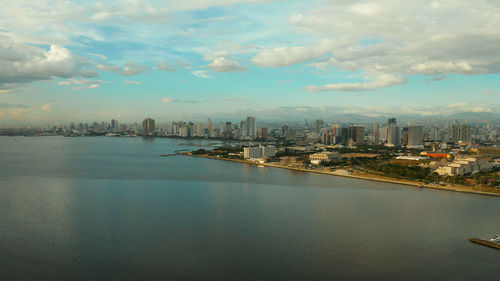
x=252, y=152
x=461, y=166
x=268, y=151
x=148, y=127
x=324, y=156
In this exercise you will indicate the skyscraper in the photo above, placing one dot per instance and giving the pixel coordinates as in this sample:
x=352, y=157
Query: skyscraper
x=391, y=121
x=114, y=124
x=415, y=137
x=148, y=127
x=393, y=136
x=465, y=133
x=318, y=125
x=357, y=134
x=455, y=132
x=209, y=127
x=251, y=127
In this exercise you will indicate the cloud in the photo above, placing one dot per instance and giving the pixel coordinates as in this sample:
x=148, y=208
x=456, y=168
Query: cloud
x=88, y=73
x=286, y=56
x=132, y=82
x=171, y=67
x=10, y=105
x=381, y=81
x=227, y=99
x=47, y=107
x=436, y=78
x=99, y=56
x=21, y=63
x=81, y=84
x=129, y=69
x=201, y=74
x=169, y=100
x=398, y=38
x=225, y=65
x=489, y=92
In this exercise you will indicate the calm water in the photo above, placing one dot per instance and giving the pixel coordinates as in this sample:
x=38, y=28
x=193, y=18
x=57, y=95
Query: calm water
x=112, y=209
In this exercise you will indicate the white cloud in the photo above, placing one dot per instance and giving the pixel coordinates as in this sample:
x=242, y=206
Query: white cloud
x=169, y=100
x=21, y=63
x=201, y=74
x=47, y=107
x=82, y=84
x=132, y=82
x=285, y=56
x=171, y=67
x=226, y=65
x=396, y=38
x=129, y=69
x=381, y=81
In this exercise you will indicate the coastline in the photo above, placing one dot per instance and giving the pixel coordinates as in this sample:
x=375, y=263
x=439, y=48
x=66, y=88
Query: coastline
x=455, y=188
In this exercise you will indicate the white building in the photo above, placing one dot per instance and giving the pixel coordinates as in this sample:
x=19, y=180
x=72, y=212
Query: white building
x=463, y=166
x=268, y=151
x=252, y=152
x=259, y=152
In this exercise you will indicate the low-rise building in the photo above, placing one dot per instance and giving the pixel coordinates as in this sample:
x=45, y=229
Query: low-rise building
x=463, y=166
x=324, y=156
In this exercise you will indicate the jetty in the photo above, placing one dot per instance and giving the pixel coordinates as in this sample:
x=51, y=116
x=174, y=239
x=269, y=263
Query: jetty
x=177, y=152
x=486, y=243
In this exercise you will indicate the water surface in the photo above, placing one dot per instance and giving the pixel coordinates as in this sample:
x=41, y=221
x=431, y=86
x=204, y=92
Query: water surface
x=102, y=208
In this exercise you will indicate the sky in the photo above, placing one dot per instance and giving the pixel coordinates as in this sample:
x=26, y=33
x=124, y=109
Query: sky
x=193, y=59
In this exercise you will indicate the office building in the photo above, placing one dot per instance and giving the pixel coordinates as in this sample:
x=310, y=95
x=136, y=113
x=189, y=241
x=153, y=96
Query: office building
x=148, y=127
x=393, y=136
x=416, y=137
x=251, y=127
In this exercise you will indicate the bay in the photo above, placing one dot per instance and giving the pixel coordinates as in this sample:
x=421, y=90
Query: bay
x=105, y=208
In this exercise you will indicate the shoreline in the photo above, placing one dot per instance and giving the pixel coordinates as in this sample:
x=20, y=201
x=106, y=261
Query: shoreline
x=463, y=189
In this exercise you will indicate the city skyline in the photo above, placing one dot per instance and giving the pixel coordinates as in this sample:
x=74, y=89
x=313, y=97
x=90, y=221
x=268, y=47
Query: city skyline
x=196, y=60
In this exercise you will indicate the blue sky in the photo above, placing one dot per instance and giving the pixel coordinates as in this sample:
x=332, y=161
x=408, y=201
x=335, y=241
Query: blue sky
x=87, y=60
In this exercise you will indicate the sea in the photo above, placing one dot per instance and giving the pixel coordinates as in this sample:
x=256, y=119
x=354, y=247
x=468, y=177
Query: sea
x=111, y=208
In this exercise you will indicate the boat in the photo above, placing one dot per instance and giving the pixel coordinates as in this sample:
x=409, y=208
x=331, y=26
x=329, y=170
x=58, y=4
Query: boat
x=493, y=242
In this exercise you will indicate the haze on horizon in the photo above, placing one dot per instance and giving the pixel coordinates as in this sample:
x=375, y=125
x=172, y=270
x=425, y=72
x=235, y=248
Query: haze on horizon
x=95, y=60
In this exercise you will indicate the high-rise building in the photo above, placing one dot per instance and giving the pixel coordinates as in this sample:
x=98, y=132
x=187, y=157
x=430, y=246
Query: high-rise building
x=465, y=133
x=416, y=137
x=209, y=127
x=393, y=136
x=318, y=125
x=251, y=127
x=228, y=130
x=391, y=121
x=114, y=124
x=455, y=133
x=356, y=134
x=344, y=136
x=148, y=127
